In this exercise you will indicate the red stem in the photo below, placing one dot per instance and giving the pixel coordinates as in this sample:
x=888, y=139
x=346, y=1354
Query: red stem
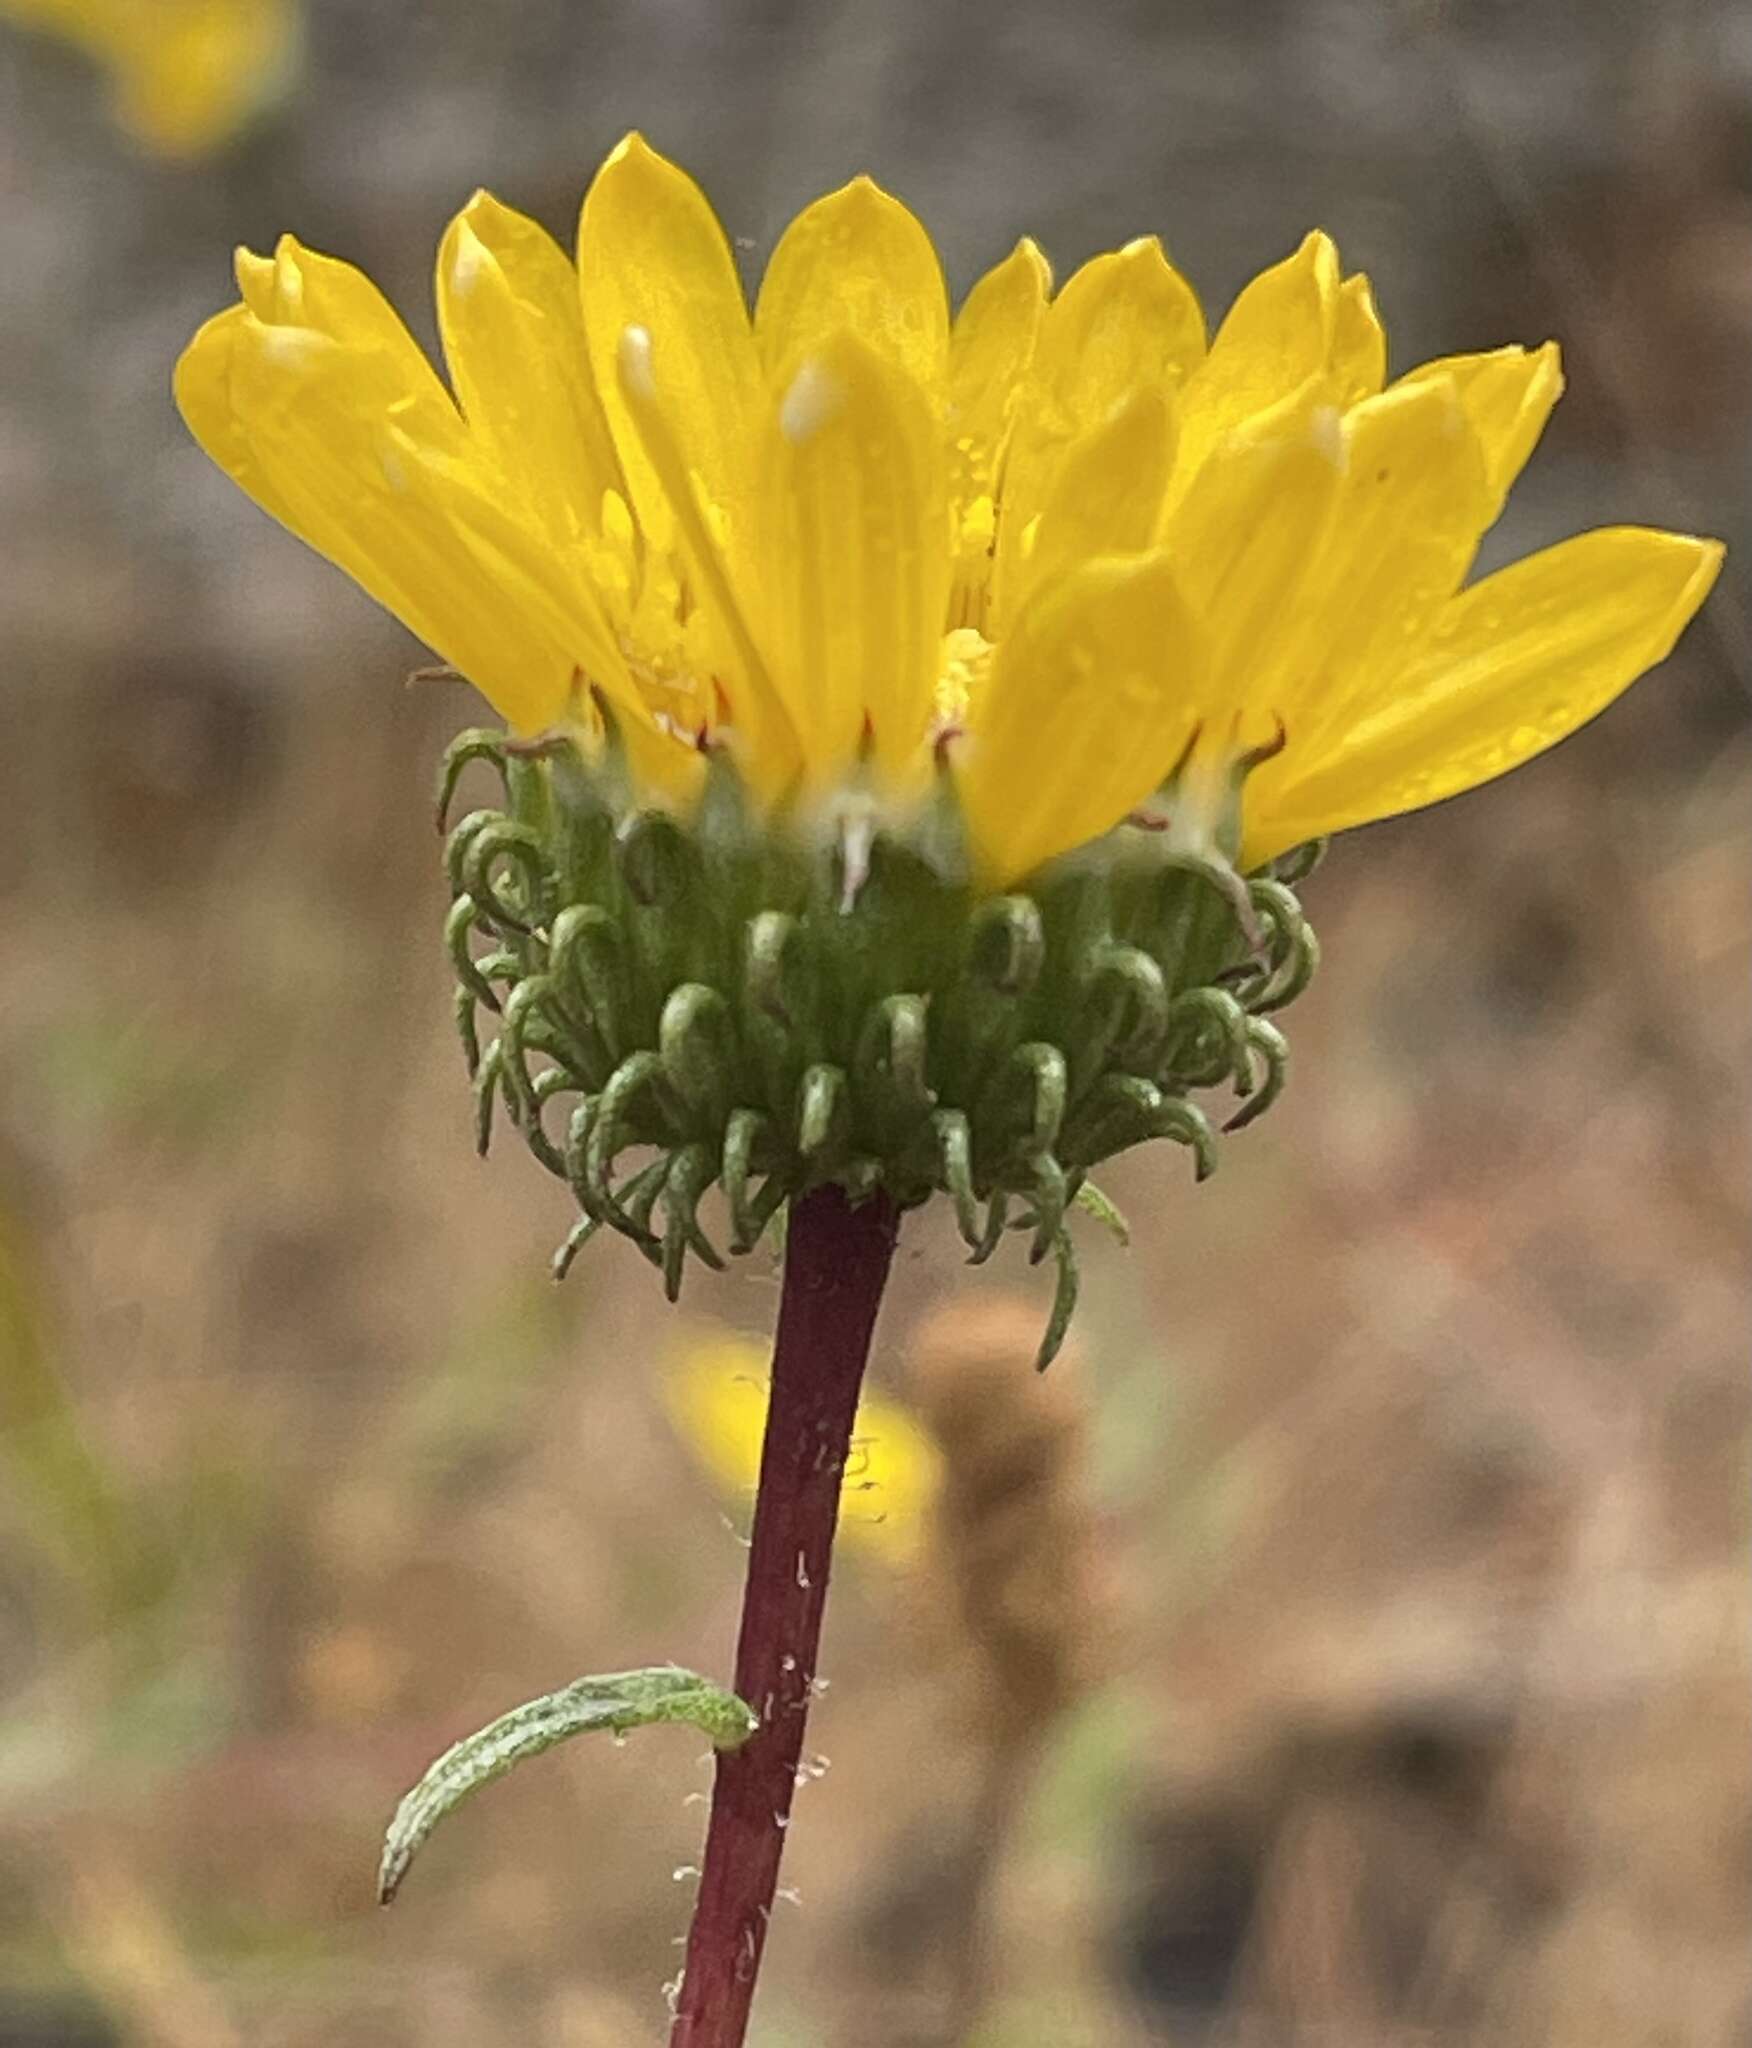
x=836, y=1264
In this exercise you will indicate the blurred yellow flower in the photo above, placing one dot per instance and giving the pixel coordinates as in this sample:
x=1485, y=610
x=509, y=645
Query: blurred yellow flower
x=1098, y=564
x=186, y=74
x=716, y=1395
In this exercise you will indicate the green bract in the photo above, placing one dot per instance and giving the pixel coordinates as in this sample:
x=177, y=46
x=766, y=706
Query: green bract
x=764, y=1009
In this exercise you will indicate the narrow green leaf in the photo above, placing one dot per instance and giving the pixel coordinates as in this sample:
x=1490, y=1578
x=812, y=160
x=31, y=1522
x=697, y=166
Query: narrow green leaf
x=617, y=1701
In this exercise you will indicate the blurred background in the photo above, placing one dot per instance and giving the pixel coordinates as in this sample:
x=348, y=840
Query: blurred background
x=1348, y=1641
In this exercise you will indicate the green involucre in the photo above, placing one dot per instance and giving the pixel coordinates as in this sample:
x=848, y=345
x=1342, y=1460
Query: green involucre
x=760, y=1008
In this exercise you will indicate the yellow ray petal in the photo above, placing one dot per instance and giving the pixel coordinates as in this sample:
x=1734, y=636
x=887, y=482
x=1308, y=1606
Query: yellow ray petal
x=1246, y=534
x=1412, y=503
x=201, y=384
x=990, y=350
x=1359, y=344
x=1125, y=320
x=1509, y=393
x=297, y=422
x=855, y=262
x=299, y=287
x=856, y=500
x=1105, y=500
x=1515, y=664
x=732, y=598
x=1093, y=695
x=652, y=255
x=1276, y=336
x=514, y=339
x=307, y=427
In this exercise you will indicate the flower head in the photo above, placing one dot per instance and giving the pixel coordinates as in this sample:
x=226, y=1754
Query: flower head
x=897, y=700
x=187, y=73
x=1096, y=564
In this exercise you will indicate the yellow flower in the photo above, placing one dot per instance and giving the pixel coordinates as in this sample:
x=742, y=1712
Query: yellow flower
x=1059, y=541
x=716, y=1395
x=187, y=74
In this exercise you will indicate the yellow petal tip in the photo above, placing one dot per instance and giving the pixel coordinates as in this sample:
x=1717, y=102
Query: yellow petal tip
x=465, y=253
x=1711, y=554
x=633, y=156
x=863, y=196
x=253, y=271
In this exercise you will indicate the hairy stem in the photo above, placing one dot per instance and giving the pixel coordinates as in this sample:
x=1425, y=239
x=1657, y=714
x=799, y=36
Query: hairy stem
x=836, y=1264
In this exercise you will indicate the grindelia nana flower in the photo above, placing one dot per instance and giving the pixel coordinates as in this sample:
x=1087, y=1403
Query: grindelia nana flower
x=187, y=73
x=899, y=700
